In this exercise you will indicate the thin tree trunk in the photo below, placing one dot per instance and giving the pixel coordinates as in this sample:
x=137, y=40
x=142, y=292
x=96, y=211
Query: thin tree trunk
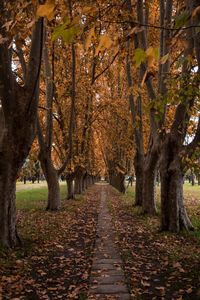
x=138, y=164
x=50, y=173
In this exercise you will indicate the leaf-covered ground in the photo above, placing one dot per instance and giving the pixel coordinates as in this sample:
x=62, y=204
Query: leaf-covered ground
x=157, y=265
x=55, y=260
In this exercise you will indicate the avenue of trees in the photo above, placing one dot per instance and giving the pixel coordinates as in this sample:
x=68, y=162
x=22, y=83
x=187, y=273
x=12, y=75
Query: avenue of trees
x=100, y=88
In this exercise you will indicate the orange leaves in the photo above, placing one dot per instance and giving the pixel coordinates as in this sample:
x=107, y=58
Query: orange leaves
x=46, y=10
x=105, y=42
x=90, y=38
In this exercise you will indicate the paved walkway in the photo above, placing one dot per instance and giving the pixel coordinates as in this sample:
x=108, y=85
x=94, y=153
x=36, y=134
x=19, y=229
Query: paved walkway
x=107, y=278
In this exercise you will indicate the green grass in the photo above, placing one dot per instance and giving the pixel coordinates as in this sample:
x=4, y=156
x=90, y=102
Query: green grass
x=36, y=198
x=192, y=202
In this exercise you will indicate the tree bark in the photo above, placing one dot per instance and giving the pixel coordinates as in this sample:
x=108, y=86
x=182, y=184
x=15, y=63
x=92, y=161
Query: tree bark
x=51, y=175
x=78, y=185
x=84, y=185
x=70, y=186
x=8, y=232
x=150, y=165
x=138, y=164
x=173, y=213
x=19, y=106
x=117, y=181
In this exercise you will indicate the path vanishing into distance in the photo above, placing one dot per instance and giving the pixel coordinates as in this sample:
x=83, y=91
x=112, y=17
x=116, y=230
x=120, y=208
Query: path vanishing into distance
x=107, y=277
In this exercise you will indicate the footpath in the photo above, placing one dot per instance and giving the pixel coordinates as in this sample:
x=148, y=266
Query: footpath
x=107, y=277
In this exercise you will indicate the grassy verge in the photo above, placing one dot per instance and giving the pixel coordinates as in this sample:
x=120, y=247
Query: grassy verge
x=35, y=198
x=192, y=202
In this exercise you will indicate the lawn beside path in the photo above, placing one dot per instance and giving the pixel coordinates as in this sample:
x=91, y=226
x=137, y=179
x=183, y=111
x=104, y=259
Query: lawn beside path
x=157, y=265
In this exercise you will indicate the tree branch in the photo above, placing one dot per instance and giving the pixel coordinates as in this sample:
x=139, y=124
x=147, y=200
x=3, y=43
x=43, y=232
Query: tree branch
x=108, y=66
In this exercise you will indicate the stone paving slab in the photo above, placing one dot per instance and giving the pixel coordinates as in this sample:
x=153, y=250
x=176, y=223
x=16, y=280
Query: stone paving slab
x=107, y=279
x=99, y=266
x=104, y=273
x=108, y=261
x=110, y=289
x=109, y=297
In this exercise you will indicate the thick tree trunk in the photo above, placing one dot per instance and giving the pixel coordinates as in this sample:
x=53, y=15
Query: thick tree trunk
x=173, y=213
x=150, y=166
x=51, y=175
x=117, y=181
x=19, y=111
x=8, y=232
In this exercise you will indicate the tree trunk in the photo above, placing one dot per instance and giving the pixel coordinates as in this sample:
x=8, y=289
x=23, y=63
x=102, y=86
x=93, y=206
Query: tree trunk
x=117, y=181
x=192, y=179
x=19, y=107
x=173, y=213
x=138, y=164
x=84, y=182
x=70, y=187
x=78, y=185
x=8, y=232
x=150, y=166
x=51, y=175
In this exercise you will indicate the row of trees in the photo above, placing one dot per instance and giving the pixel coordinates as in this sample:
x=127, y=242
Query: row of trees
x=105, y=88
x=162, y=71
